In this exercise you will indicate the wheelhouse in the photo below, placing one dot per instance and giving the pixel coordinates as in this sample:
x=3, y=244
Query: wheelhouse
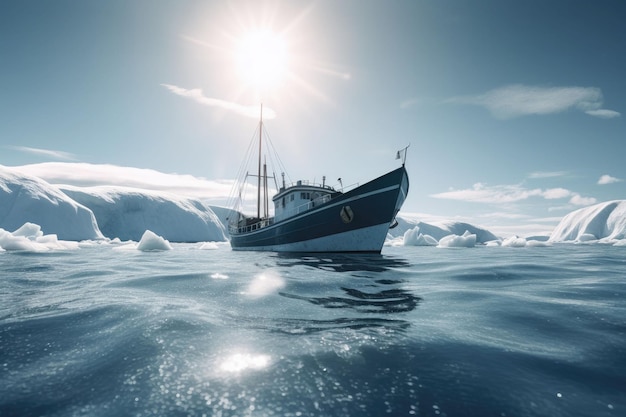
x=300, y=197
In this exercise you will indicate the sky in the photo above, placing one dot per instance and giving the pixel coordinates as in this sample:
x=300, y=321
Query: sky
x=514, y=110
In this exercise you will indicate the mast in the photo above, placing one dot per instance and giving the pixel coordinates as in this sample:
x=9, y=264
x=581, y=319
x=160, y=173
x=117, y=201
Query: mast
x=258, y=197
x=266, y=208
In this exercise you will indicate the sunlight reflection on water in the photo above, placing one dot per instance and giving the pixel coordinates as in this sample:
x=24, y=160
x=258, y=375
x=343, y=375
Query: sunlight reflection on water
x=240, y=362
x=265, y=284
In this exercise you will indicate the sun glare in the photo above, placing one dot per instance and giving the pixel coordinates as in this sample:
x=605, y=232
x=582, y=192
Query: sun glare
x=261, y=59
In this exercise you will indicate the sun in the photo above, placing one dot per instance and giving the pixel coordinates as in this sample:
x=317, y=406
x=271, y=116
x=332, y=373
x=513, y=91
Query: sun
x=261, y=60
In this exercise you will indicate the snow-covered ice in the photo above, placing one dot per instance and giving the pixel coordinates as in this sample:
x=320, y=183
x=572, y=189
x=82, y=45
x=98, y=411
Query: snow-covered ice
x=30, y=238
x=603, y=222
x=438, y=230
x=150, y=241
x=126, y=213
x=413, y=237
x=514, y=242
x=28, y=199
x=123, y=213
x=466, y=240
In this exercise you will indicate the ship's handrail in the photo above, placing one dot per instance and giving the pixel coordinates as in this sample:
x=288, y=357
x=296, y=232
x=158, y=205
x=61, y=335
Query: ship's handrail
x=307, y=183
x=270, y=221
x=251, y=227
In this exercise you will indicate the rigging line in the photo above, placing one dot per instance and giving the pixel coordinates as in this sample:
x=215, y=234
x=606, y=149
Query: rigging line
x=235, y=193
x=273, y=164
x=280, y=164
x=235, y=196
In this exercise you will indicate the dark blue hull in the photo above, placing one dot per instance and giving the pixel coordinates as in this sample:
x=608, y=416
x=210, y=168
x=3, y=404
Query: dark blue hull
x=356, y=221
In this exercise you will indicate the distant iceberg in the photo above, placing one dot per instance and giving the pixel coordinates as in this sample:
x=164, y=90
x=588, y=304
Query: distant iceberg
x=439, y=230
x=126, y=213
x=466, y=240
x=603, y=222
x=25, y=198
x=413, y=237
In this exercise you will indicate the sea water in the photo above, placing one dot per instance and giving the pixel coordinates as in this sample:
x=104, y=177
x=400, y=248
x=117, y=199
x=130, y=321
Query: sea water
x=424, y=331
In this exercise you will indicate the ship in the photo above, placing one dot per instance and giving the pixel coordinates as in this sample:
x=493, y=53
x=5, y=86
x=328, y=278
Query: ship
x=318, y=218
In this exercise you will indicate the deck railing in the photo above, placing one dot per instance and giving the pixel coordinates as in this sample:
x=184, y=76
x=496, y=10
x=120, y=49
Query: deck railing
x=233, y=228
x=308, y=184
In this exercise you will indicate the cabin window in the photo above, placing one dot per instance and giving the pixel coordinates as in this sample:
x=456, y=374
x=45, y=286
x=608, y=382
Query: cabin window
x=283, y=201
x=292, y=197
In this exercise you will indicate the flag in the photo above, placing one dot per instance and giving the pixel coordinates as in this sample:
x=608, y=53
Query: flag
x=401, y=154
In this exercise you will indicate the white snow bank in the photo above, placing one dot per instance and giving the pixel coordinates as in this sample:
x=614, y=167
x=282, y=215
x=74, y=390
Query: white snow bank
x=603, y=222
x=467, y=240
x=150, y=241
x=30, y=238
x=126, y=213
x=27, y=199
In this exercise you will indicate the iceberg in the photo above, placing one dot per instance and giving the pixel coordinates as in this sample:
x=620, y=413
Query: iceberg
x=603, y=222
x=126, y=213
x=514, y=242
x=28, y=199
x=439, y=230
x=150, y=241
x=413, y=237
x=30, y=238
x=466, y=240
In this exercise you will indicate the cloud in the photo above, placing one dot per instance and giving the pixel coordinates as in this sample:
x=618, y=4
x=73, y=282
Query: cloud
x=603, y=113
x=198, y=96
x=87, y=175
x=45, y=152
x=607, y=179
x=555, y=193
x=503, y=194
x=543, y=174
x=520, y=100
x=577, y=200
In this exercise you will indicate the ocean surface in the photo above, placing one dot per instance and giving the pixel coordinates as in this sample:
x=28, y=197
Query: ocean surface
x=419, y=331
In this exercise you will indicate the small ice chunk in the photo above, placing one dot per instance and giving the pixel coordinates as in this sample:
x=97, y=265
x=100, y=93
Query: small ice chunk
x=514, y=242
x=29, y=230
x=468, y=240
x=208, y=246
x=413, y=237
x=150, y=241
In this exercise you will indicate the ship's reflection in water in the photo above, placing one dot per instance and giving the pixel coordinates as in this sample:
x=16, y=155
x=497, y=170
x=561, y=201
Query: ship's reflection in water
x=368, y=287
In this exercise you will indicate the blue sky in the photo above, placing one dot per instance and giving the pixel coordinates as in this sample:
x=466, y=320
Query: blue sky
x=515, y=110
